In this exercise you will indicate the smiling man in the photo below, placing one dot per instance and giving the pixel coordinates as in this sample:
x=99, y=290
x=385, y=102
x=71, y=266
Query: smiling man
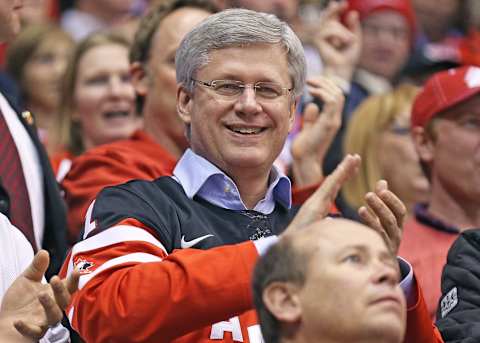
x=337, y=282
x=239, y=76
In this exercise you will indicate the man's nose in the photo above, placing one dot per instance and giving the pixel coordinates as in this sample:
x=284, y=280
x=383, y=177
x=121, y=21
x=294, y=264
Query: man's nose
x=247, y=102
x=115, y=86
x=386, y=274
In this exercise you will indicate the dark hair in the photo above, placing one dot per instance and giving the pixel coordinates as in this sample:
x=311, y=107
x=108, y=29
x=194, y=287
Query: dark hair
x=142, y=42
x=283, y=262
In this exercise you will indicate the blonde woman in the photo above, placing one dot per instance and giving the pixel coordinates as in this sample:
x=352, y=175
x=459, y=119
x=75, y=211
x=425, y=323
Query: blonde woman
x=379, y=131
x=98, y=100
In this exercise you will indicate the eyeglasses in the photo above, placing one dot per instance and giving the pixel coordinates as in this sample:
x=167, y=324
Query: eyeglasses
x=231, y=88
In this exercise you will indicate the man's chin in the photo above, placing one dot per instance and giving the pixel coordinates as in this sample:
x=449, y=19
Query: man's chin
x=251, y=161
x=389, y=328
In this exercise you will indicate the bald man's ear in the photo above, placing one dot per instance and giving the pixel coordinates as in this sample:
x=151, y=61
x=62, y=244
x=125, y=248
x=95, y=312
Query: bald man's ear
x=140, y=78
x=184, y=104
x=282, y=301
x=424, y=144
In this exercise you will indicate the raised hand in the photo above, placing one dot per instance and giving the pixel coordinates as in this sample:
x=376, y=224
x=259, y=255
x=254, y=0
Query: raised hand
x=318, y=131
x=385, y=213
x=339, y=43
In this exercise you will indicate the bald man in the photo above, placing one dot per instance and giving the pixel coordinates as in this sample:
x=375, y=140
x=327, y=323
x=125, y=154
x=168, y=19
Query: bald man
x=336, y=282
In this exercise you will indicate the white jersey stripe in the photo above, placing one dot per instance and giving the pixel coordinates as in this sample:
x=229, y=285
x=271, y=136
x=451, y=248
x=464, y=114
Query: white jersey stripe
x=113, y=235
x=116, y=234
x=70, y=266
x=135, y=257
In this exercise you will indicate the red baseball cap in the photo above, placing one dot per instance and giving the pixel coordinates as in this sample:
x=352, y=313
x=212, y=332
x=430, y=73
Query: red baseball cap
x=403, y=7
x=443, y=91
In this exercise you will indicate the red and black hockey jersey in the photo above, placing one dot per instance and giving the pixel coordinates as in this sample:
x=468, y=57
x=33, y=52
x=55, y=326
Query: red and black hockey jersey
x=159, y=267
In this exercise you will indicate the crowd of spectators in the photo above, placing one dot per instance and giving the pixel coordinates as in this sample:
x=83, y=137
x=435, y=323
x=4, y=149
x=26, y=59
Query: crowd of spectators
x=147, y=143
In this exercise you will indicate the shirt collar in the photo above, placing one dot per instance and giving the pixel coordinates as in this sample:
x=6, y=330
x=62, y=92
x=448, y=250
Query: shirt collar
x=199, y=176
x=423, y=216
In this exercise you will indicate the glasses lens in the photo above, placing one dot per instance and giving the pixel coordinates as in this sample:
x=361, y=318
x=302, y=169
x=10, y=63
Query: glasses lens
x=227, y=87
x=268, y=90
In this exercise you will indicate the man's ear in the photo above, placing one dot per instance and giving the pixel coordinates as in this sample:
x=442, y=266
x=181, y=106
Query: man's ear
x=140, y=78
x=184, y=104
x=293, y=111
x=282, y=301
x=424, y=144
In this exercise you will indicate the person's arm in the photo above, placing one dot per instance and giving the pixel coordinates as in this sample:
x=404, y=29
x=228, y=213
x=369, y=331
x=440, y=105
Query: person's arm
x=29, y=306
x=128, y=277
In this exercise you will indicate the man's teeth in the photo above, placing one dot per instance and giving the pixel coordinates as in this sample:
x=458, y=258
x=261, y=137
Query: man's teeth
x=246, y=130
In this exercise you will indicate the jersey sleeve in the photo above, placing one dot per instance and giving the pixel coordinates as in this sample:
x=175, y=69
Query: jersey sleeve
x=420, y=328
x=134, y=288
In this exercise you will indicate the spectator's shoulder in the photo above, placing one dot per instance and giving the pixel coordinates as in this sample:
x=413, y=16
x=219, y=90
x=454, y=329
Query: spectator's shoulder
x=459, y=308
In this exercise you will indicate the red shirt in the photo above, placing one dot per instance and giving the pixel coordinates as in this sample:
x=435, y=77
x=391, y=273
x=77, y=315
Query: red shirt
x=426, y=248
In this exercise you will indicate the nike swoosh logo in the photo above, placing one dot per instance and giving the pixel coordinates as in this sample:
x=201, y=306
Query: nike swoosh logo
x=188, y=244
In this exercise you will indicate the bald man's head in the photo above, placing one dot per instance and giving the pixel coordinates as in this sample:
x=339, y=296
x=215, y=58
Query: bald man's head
x=335, y=278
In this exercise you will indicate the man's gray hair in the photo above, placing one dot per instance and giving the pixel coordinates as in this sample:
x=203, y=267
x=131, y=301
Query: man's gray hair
x=236, y=28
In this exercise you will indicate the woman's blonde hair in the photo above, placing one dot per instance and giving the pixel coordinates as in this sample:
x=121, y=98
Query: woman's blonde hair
x=368, y=122
x=70, y=130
